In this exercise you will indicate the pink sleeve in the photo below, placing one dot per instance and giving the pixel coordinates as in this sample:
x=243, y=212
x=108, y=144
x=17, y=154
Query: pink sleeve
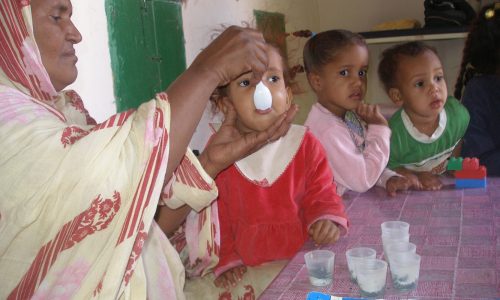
x=354, y=170
x=321, y=200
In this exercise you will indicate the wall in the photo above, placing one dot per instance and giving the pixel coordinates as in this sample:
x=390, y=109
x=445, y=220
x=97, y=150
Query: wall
x=95, y=81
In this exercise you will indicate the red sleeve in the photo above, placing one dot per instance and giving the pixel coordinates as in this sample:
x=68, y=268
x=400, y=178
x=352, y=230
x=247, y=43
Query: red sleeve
x=321, y=200
x=228, y=258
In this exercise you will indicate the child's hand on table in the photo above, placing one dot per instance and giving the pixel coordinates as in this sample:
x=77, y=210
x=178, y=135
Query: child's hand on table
x=429, y=181
x=231, y=277
x=324, y=232
x=397, y=183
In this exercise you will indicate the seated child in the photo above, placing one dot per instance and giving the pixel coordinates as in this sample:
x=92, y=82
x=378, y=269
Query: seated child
x=355, y=135
x=429, y=126
x=273, y=200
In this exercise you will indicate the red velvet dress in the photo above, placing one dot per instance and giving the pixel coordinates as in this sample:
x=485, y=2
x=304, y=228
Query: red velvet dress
x=262, y=221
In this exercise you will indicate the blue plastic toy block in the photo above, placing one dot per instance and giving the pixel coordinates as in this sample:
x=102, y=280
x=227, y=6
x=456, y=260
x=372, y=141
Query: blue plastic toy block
x=470, y=183
x=455, y=164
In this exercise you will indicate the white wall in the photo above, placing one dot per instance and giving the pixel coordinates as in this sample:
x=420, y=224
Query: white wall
x=95, y=81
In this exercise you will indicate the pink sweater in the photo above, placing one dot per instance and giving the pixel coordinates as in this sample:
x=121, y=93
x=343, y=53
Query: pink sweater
x=352, y=170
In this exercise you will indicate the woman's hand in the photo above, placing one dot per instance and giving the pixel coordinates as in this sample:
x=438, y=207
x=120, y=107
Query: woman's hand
x=324, y=232
x=230, y=278
x=371, y=114
x=228, y=145
x=234, y=52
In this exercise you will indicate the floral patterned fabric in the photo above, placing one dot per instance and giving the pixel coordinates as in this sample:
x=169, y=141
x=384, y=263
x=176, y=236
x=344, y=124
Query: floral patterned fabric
x=78, y=198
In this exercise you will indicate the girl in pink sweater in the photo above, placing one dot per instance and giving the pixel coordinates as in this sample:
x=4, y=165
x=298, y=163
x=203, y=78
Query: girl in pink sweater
x=355, y=135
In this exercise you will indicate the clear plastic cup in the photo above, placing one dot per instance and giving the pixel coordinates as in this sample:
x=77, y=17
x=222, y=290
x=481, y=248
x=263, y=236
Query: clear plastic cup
x=391, y=237
x=395, y=226
x=405, y=269
x=354, y=255
x=320, y=266
x=371, y=276
x=399, y=247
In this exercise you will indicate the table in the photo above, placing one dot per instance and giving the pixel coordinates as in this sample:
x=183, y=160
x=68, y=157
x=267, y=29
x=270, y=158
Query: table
x=456, y=231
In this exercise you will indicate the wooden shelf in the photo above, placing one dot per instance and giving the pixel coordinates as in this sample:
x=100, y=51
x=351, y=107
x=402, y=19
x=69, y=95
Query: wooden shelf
x=407, y=35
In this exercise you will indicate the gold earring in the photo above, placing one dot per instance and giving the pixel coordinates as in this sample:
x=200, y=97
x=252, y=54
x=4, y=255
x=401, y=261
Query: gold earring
x=490, y=13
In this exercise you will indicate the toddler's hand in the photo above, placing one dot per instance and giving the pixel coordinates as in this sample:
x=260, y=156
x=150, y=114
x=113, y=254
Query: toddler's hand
x=371, y=114
x=231, y=277
x=397, y=183
x=430, y=182
x=324, y=232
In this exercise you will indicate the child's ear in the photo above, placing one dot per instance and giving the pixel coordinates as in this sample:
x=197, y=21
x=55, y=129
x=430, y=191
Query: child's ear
x=395, y=96
x=315, y=81
x=222, y=104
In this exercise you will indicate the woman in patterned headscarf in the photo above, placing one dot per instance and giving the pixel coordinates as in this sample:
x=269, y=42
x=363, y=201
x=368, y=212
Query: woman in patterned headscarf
x=78, y=198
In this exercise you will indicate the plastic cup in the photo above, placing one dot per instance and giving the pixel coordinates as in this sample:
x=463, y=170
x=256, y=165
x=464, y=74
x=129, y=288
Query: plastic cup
x=395, y=226
x=394, y=248
x=371, y=275
x=392, y=237
x=354, y=255
x=405, y=269
x=320, y=265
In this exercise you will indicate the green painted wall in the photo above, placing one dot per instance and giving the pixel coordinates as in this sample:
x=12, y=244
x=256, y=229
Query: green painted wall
x=146, y=44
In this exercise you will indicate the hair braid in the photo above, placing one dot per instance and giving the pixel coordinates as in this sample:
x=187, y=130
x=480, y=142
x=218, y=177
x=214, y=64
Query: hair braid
x=482, y=47
x=463, y=69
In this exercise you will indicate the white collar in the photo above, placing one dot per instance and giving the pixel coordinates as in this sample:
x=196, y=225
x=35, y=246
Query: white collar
x=422, y=137
x=265, y=166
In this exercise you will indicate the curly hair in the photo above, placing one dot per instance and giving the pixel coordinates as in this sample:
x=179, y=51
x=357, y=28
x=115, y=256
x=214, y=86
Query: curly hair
x=322, y=48
x=481, y=54
x=390, y=58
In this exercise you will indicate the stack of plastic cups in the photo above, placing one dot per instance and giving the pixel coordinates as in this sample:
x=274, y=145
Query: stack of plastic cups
x=401, y=255
x=394, y=231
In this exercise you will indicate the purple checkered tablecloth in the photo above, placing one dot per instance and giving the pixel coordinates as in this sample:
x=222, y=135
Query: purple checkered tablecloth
x=457, y=233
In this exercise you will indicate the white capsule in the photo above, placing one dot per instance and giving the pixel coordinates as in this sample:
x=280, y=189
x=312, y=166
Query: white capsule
x=262, y=97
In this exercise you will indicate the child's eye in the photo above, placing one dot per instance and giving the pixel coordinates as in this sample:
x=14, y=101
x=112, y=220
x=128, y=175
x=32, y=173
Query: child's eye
x=419, y=84
x=439, y=78
x=362, y=73
x=244, y=83
x=274, y=79
x=344, y=73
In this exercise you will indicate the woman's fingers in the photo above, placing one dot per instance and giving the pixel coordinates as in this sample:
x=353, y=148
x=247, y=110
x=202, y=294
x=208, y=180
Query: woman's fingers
x=234, y=52
x=281, y=127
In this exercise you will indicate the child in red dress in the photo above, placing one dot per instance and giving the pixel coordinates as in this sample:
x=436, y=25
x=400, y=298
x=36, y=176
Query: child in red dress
x=273, y=200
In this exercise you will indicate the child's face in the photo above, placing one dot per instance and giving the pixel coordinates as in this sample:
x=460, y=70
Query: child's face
x=421, y=88
x=341, y=84
x=240, y=93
